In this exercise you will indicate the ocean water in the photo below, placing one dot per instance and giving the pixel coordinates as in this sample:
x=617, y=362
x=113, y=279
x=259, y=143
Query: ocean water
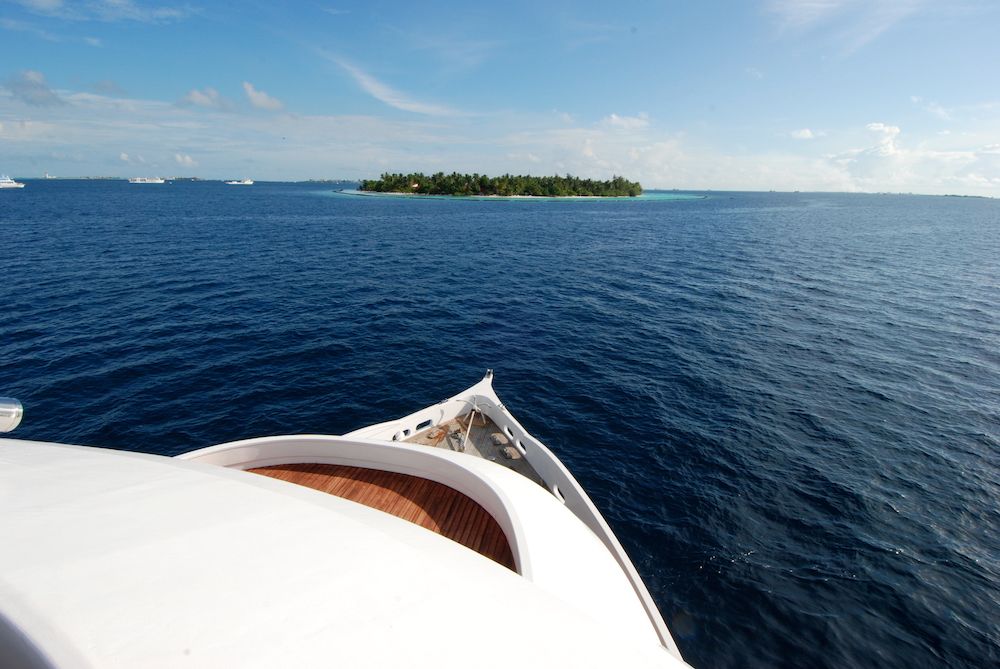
x=786, y=405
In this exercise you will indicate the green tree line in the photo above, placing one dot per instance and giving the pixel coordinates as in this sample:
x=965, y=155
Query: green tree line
x=506, y=185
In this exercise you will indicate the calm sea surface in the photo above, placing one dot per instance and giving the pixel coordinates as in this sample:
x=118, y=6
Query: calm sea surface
x=786, y=405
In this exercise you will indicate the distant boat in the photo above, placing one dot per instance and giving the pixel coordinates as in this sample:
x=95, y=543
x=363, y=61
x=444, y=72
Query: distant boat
x=49, y=176
x=146, y=180
x=240, y=182
x=7, y=182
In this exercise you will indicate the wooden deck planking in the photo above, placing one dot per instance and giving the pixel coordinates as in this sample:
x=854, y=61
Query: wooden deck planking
x=431, y=505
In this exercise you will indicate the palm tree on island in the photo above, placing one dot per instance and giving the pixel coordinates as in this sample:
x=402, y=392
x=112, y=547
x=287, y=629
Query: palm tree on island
x=503, y=186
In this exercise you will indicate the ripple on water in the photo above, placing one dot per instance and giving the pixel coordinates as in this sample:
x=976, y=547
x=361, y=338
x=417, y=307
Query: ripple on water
x=786, y=405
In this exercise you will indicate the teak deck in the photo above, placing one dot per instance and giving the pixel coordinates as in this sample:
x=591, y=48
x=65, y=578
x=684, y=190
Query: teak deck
x=428, y=504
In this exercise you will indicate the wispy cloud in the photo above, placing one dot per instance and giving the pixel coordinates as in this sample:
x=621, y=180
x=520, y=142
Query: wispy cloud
x=24, y=27
x=802, y=133
x=29, y=87
x=754, y=73
x=108, y=10
x=260, y=99
x=107, y=87
x=43, y=6
x=114, y=135
x=388, y=95
x=626, y=122
x=853, y=23
x=47, y=35
x=454, y=49
x=581, y=34
x=208, y=97
x=131, y=160
x=799, y=14
x=932, y=108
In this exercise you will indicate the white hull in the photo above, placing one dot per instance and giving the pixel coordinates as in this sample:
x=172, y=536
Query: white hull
x=241, y=182
x=559, y=481
x=7, y=182
x=141, y=560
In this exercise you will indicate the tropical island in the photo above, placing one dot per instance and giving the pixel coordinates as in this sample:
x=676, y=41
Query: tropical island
x=503, y=186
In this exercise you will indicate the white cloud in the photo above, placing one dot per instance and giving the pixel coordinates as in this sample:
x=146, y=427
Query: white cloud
x=852, y=23
x=29, y=87
x=754, y=73
x=626, y=122
x=260, y=99
x=108, y=10
x=581, y=33
x=797, y=14
x=524, y=157
x=803, y=133
x=891, y=165
x=450, y=45
x=21, y=26
x=107, y=87
x=208, y=98
x=388, y=95
x=45, y=6
x=887, y=137
x=31, y=29
x=932, y=108
x=877, y=157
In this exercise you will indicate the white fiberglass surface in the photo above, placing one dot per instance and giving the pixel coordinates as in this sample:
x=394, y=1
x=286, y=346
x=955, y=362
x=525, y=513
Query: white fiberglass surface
x=115, y=559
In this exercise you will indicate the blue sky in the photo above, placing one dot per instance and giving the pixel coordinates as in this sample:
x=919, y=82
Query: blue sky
x=842, y=95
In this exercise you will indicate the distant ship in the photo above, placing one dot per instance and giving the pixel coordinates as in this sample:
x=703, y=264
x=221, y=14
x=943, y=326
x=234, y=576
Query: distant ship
x=240, y=182
x=146, y=180
x=49, y=176
x=7, y=182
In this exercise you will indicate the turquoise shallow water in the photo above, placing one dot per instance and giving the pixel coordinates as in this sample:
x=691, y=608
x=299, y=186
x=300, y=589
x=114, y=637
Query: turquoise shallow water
x=786, y=405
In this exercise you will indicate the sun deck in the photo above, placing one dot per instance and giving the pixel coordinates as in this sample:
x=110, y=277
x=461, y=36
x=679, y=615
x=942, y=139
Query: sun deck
x=485, y=440
x=431, y=505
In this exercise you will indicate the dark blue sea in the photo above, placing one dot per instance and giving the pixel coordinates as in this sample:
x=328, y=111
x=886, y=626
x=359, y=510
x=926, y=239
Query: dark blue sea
x=786, y=405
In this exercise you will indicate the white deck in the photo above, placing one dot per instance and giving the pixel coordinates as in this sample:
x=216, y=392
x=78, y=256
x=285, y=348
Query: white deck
x=118, y=559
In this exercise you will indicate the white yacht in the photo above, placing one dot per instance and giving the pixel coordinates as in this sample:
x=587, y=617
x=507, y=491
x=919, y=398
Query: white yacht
x=7, y=182
x=147, y=180
x=447, y=538
x=240, y=182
